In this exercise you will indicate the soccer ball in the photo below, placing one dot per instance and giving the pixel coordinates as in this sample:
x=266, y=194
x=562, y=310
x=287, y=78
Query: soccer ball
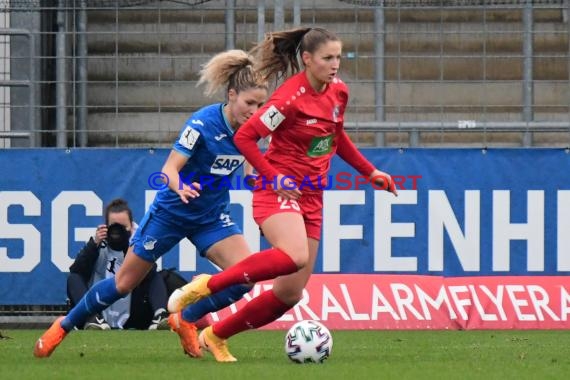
x=308, y=342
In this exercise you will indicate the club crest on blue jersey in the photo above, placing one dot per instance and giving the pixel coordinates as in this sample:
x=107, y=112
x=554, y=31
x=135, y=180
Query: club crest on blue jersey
x=226, y=164
x=149, y=242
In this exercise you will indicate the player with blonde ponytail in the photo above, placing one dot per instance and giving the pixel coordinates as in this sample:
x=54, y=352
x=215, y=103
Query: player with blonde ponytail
x=184, y=208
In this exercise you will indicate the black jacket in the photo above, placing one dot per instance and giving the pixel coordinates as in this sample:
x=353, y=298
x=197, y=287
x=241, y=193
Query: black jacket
x=85, y=260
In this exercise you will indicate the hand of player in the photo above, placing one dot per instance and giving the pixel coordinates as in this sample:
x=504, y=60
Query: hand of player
x=189, y=192
x=287, y=188
x=383, y=181
x=250, y=180
x=249, y=174
x=100, y=234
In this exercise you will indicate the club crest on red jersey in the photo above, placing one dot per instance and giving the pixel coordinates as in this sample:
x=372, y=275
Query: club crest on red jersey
x=336, y=113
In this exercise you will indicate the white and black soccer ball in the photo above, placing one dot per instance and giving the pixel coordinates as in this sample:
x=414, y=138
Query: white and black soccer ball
x=308, y=342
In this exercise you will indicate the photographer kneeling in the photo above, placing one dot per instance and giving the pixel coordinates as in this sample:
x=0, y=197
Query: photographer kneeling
x=100, y=258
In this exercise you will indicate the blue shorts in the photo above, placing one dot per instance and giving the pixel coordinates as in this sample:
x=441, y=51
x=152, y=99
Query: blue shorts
x=158, y=232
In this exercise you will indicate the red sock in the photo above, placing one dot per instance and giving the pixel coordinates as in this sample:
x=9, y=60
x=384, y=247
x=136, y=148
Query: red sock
x=264, y=265
x=258, y=312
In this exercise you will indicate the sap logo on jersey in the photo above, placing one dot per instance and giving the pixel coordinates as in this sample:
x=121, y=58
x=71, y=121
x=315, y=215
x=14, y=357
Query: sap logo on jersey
x=226, y=164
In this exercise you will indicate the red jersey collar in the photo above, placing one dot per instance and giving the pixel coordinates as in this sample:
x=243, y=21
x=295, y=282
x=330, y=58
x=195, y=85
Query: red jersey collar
x=308, y=85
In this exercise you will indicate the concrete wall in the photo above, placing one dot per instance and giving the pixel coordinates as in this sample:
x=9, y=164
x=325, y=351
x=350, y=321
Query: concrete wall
x=440, y=65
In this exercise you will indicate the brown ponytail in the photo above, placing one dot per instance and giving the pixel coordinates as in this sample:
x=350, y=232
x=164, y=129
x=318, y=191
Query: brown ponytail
x=277, y=54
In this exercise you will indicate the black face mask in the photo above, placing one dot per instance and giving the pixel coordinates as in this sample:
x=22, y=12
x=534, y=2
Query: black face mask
x=118, y=237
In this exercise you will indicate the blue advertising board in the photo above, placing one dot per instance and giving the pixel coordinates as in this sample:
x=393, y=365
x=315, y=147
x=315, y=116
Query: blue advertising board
x=460, y=212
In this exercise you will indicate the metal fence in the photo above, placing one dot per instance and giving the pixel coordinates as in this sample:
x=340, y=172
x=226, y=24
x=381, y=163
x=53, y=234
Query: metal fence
x=421, y=72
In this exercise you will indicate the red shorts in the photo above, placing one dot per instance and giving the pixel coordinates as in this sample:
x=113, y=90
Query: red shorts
x=310, y=206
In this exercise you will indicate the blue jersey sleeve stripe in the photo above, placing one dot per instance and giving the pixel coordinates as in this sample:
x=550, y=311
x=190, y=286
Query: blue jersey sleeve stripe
x=182, y=151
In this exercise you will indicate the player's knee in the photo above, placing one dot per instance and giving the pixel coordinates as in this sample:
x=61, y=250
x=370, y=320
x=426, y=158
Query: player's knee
x=300, y=262
x=299, y=257
x=124, y=287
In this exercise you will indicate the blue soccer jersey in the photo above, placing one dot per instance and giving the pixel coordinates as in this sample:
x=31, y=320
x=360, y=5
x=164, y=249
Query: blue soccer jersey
x=207, y=140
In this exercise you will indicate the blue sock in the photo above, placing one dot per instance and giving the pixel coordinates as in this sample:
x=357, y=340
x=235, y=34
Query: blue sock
x=97, y=299
x=214, y=302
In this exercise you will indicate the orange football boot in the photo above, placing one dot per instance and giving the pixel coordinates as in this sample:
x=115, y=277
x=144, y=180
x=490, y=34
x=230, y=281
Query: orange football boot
x=188, y=334
x=50, y=340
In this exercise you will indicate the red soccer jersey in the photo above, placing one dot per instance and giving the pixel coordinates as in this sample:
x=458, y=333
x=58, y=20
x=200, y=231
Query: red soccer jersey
x=304, y=126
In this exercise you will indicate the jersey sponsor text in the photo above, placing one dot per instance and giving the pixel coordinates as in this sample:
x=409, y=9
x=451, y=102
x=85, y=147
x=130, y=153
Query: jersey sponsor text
x=226, y=164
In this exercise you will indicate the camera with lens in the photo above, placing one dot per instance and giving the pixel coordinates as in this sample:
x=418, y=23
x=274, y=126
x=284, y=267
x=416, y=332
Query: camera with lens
x=118, y=237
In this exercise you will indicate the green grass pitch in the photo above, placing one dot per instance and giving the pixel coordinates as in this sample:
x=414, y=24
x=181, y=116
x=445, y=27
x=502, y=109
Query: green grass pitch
x=356, y=355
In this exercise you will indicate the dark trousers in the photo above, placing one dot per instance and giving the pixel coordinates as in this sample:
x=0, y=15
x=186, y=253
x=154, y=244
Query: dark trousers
x=149, y=296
